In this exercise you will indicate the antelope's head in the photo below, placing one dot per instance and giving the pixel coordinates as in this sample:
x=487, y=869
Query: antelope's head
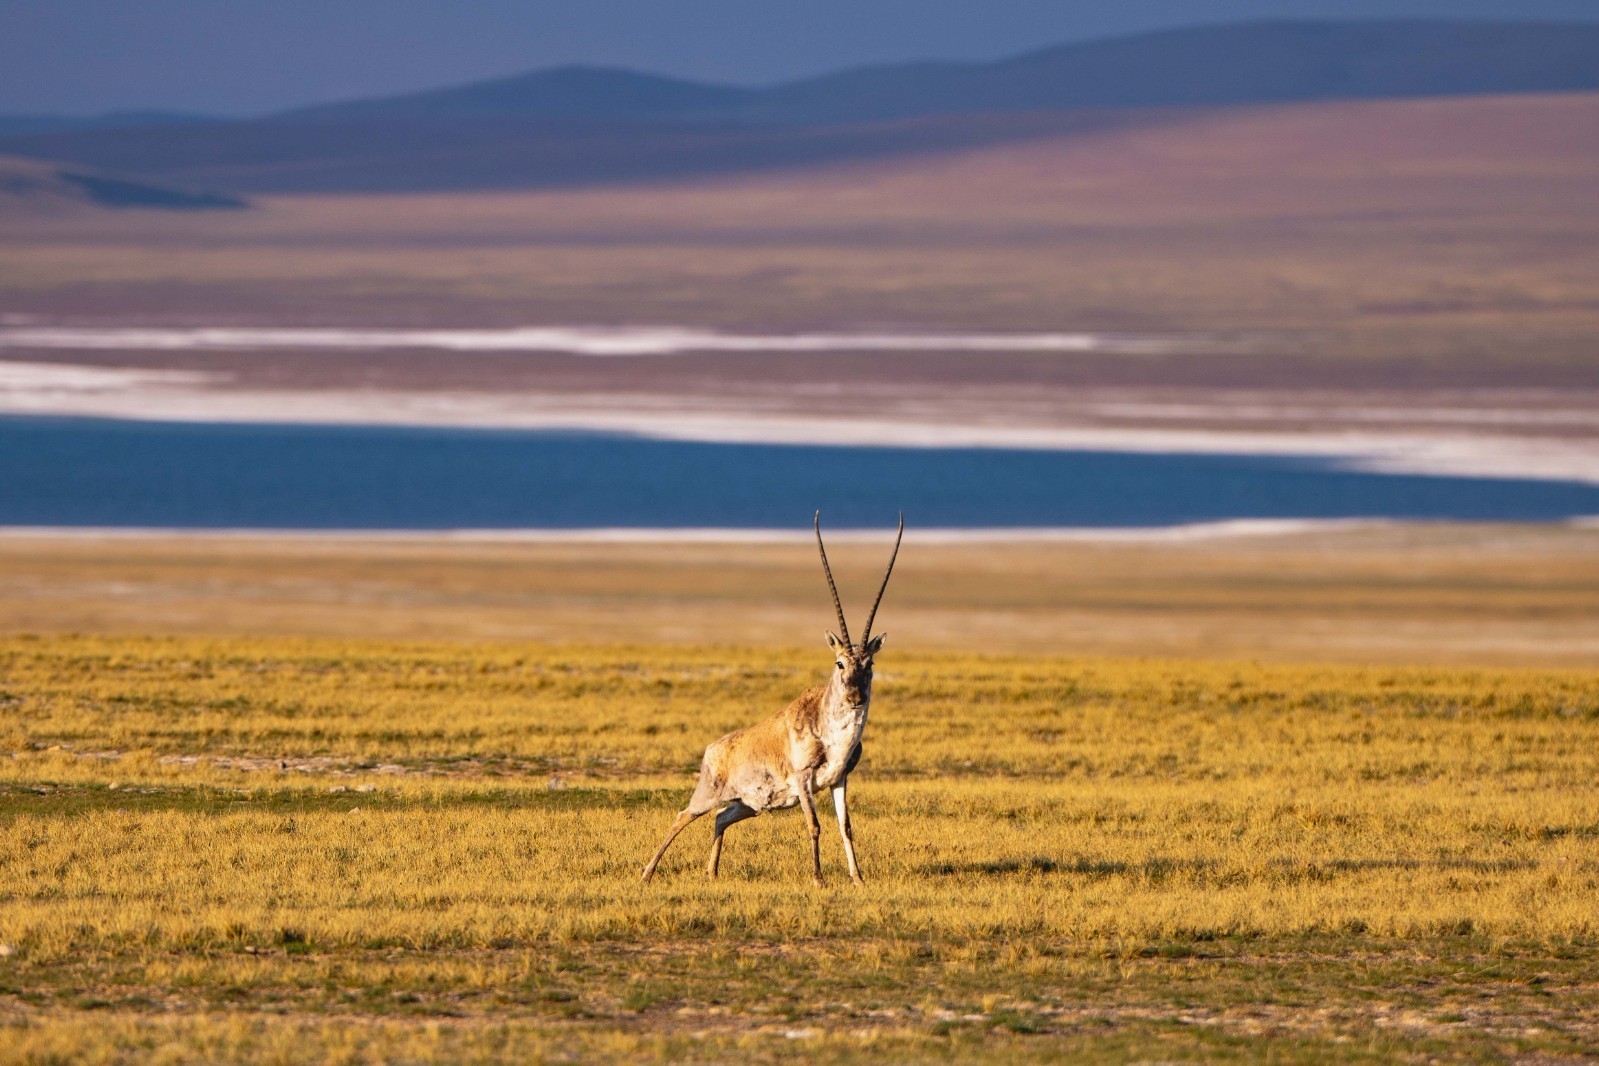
x=852, y=662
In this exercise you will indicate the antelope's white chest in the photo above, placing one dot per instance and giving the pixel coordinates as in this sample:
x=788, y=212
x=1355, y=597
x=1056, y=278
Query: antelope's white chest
x=839, y=736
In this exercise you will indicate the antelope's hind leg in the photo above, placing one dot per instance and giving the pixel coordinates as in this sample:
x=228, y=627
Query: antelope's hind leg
x=698, y=805
x=736, y=811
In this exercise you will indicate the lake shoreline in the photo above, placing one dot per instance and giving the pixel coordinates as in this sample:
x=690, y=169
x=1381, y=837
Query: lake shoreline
x=1169, y=534
x=1530, y=444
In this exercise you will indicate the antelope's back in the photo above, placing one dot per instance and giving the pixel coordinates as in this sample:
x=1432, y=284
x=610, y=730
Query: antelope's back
x=766, y=743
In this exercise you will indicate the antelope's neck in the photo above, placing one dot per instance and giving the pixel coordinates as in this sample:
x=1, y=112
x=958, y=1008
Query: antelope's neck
x=840, y=716
x=840, y=733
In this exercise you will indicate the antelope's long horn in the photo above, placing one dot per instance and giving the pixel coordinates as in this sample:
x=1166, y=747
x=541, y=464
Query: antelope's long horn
x=843, y=626
x=886, y=575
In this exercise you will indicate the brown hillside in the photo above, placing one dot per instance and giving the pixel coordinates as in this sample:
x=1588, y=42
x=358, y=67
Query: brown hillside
x=1441, y=240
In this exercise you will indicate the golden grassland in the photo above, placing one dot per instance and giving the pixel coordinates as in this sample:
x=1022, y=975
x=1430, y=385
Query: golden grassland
x=284, y=849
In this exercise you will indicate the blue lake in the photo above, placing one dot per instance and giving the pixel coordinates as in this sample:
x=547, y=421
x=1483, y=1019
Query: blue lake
x=88, y=472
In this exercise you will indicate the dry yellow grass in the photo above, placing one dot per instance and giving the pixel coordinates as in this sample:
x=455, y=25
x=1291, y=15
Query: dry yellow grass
x=295, y=849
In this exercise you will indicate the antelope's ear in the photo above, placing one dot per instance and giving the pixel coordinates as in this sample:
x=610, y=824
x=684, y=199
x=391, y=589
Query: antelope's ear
x=875, y=645
x=833, y=641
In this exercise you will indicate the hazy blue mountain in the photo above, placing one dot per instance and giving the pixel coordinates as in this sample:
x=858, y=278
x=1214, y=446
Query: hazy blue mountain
x=563, y=93
x=1266, y=62
x=1229, y=64
x=581, y=125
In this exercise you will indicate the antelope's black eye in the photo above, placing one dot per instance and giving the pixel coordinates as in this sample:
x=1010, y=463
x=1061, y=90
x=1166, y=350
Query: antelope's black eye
x=841, y=664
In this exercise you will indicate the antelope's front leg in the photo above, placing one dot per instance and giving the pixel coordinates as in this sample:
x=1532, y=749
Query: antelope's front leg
x=808, y=803
x=845, y=830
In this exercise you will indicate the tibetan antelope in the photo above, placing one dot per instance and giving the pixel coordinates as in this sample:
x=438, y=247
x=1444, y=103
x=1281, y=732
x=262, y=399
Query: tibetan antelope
x=812, y=745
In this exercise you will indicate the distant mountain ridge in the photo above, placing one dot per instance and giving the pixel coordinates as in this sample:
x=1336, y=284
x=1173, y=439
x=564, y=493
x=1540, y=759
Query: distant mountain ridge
x=572, y=92
x=1259, y=62
x=585, y=125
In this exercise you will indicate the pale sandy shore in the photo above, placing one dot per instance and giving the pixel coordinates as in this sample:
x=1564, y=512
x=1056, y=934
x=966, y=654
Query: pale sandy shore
x=1501, y=435
x=575, y=340
x=1463, y=595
